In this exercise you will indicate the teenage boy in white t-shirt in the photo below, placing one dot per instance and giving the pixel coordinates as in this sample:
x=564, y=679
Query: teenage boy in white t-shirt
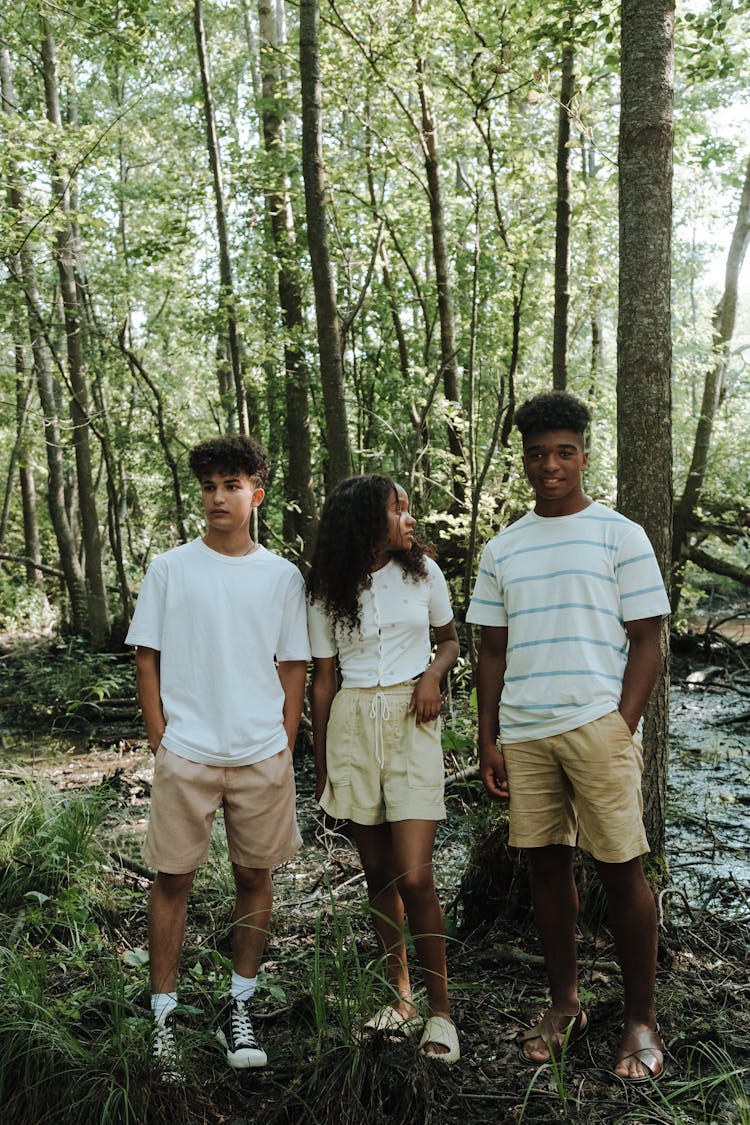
x=570, y=600
x=221, y=659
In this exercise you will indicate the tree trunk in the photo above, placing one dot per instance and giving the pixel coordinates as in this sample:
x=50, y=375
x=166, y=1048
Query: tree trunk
x=19, y=453
x=300, y=512
x=79, y=403
x=562, y=224
x=644, y=348
x=227, y=296
x=713, y=390
x=448, y=347
x=56, y=501
x=326, y=311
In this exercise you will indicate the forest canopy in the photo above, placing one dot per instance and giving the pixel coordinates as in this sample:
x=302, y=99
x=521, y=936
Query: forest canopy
x=362, y=232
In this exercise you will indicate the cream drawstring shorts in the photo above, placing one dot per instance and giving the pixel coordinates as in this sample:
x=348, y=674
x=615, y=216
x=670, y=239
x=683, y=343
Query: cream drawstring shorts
x=381, y=765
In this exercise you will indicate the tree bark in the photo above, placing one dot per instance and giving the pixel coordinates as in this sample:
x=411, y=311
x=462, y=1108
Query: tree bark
x=717, y=566
x=79, y=403
x=227, y=295
x=644, y=347
x=448, y=346
x=562, y=224
x=300, y=512
x=326, y=310
x=724, y=319
x=56, y=499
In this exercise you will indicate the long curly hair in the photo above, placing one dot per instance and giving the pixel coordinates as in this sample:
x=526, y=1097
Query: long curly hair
x=353, y=526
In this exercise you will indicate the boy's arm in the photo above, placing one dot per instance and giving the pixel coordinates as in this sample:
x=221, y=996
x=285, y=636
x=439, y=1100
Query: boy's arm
x=641, y=669
x=427, y=699
x=324, y=688
x=292, y=674
x=490, y=680
x=148, y=682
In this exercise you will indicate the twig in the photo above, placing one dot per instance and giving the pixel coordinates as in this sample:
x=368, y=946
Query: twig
x=666, y=893
x=462, y=775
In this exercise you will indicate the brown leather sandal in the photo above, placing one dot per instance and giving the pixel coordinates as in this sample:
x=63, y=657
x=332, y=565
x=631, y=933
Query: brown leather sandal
x=558, y=1033
x=648, y=1048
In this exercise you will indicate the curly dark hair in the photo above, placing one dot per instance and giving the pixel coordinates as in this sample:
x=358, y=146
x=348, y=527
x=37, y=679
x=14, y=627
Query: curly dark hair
x=233, y=453
x=551, y=410
x=353, y=526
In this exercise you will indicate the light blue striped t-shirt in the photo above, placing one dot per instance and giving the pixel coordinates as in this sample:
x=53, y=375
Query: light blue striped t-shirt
x=564, y=586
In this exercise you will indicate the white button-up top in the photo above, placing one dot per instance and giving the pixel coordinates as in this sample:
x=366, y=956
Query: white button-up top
x=393, y=641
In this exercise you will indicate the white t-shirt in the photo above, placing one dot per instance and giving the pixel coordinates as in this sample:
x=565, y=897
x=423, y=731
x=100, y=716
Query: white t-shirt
x=564, y=586
x=220, y=623
x=393, y=641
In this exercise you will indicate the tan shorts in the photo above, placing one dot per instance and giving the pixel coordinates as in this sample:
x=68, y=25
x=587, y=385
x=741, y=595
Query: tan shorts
x=259, y=812
x=583, y=786
x=381, y=765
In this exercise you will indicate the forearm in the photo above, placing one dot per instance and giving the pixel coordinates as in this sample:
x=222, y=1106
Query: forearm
x=641, y=670
x=292, y=674
x=637, y=685
x=148, y=683
x=490, y=680
x=446, y=655
x=322, y=695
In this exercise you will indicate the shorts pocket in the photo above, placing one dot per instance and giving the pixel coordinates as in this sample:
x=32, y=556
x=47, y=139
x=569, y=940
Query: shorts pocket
x=617, y=715
x=341, y=722
x=424, y=757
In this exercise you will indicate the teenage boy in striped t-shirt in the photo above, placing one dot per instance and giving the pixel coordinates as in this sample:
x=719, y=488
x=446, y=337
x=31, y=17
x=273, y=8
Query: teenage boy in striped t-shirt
x=570, y=600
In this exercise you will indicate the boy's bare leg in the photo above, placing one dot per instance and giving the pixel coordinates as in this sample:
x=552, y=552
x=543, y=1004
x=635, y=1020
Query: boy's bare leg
x=555, y=898
x=375, y=850
x=252, y=918
x=632, y=915
x=167, y=914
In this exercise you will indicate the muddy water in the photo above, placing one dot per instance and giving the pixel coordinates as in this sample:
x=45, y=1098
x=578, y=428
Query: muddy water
x=708, y=801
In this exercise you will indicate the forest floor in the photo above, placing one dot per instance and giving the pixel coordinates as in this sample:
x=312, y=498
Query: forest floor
x=319, y=979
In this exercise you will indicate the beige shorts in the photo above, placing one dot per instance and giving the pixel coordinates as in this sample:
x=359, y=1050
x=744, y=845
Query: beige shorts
x=581, y=787
x=381, y=765
x=259, y=812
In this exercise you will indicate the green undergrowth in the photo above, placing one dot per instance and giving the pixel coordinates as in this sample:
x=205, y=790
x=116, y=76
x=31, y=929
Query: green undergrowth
x=74, y=1032
x=60, y=687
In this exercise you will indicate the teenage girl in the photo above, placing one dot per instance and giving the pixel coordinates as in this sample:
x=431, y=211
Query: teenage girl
x=374, y=597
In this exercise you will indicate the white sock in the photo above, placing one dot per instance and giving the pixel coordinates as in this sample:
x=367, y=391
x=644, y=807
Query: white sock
x=243, y=988
x=162, y=1003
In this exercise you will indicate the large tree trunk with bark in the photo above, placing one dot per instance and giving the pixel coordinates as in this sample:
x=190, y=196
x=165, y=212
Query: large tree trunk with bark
x=562, y=224
x=326, y=310
x=644, y=347
x=724, y=318
x=300, y=513
x=237, y=409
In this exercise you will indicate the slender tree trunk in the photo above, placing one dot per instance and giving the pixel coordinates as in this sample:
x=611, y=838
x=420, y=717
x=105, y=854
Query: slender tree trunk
x=326, y=310
x=724, y=318
x=227, y=296
x=562, y=224
x=139, y=370
x=644, y=346
x=79, y=405
x=448, y=346
x=300, y=512
x=19, y=454
x=56, y=487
